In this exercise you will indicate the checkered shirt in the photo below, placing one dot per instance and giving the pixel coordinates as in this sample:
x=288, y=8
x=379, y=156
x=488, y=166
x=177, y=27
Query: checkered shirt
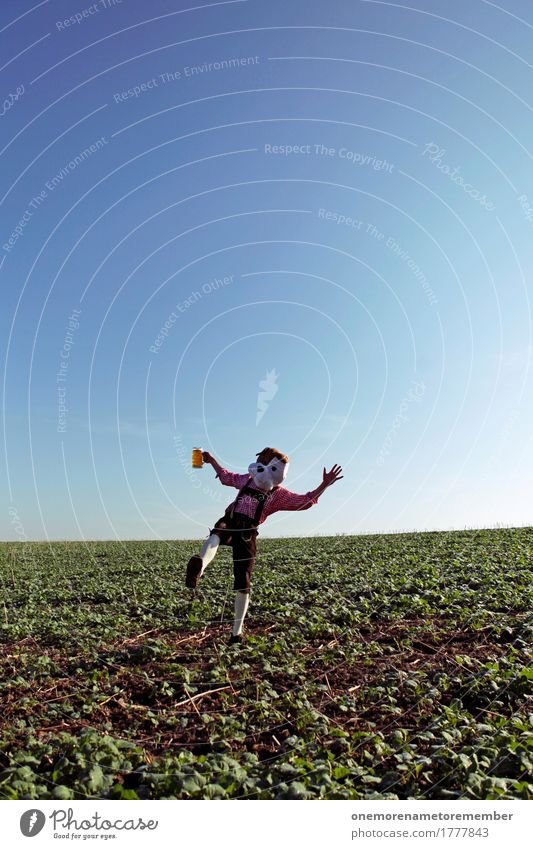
x=278, y=499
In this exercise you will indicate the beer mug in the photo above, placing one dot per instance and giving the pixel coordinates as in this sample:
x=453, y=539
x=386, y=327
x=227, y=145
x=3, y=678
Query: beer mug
x=197, y=459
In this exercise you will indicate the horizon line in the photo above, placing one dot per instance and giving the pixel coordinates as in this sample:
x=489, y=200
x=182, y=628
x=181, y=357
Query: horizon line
x=496, y=527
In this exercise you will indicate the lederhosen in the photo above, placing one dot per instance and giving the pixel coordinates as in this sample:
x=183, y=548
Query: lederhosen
x=240, y=531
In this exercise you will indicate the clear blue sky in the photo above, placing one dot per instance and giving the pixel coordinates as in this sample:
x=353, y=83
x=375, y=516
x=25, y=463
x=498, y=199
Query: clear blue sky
x=340, y=194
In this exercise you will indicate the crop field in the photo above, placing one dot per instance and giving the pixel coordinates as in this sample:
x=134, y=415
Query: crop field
x=374, y=667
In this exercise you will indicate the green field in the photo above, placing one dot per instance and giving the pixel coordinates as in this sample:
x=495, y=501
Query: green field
x=374, y=667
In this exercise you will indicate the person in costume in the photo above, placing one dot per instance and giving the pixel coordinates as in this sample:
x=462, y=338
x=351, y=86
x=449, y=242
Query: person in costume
x=260, y=494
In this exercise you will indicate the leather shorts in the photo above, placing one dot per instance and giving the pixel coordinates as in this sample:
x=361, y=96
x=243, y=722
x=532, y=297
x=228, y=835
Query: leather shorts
x=239, y=532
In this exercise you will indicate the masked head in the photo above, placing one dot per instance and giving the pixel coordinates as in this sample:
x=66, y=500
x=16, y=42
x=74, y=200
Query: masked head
x=270, y=468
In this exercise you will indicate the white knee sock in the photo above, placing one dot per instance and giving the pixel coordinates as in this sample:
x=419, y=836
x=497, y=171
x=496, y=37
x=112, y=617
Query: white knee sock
x=208, y=550
x=242, y=601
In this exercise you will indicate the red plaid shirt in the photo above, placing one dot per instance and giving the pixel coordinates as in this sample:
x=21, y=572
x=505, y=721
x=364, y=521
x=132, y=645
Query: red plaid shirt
x=278, y=499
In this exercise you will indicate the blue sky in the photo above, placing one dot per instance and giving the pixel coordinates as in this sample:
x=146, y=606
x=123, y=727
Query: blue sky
x=197, y=195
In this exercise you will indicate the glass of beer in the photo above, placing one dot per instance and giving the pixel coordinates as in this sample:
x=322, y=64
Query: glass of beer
x=197, y=459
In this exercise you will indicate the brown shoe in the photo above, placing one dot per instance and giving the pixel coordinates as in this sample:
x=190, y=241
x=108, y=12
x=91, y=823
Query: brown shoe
x=194, y=567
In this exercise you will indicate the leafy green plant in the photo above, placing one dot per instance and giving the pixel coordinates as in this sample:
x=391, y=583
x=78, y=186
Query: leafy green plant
x=374, y=667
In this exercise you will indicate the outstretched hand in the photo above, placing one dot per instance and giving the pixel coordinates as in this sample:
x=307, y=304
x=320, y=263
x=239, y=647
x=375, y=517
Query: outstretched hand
x=206, y=457
x=333, y=475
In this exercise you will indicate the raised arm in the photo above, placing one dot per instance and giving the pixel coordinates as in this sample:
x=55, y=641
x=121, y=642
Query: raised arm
x=225, y=477
x=293, y=501
x=328, y=478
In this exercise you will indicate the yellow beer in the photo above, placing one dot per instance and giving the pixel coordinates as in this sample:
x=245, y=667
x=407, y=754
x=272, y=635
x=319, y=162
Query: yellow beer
x=197, y=459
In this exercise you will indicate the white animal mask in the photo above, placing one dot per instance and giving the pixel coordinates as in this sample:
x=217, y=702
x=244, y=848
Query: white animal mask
x=268, y=475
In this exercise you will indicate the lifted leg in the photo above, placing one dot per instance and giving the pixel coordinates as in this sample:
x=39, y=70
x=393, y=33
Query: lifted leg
x=208, y=550
x=198, y=562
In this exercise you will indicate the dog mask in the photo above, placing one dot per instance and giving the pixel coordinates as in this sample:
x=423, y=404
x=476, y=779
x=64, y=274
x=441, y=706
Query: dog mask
x=269, y=470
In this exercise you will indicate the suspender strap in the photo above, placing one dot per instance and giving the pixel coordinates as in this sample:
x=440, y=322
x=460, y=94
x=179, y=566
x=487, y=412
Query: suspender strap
x=257, y=495
x=260, y=498
x=238, y=495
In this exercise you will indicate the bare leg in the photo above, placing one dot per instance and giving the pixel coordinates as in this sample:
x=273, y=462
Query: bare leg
x=208, y=550
x=198, y=562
